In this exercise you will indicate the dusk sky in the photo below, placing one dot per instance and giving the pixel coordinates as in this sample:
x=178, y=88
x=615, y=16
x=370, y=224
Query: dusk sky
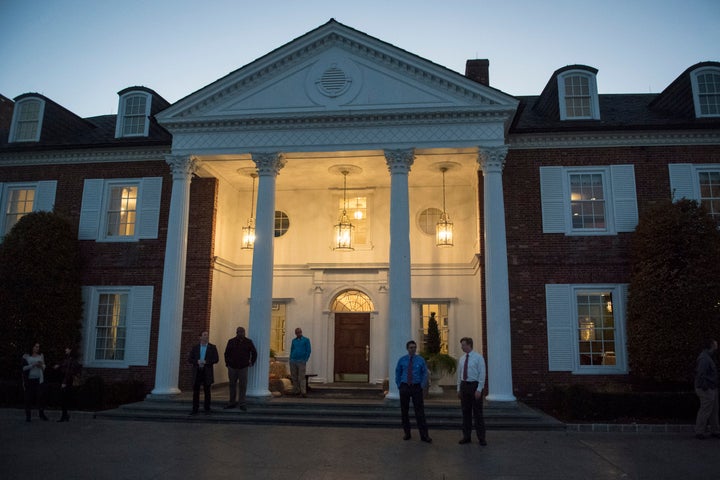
x=80, y=53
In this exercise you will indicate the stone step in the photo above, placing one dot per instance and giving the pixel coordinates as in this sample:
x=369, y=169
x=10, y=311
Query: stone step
x=320, y=410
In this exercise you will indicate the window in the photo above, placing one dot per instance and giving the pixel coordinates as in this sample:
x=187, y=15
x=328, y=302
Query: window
x=277, y=328
x=697, y=182
x=120, y=209
x=121, y=214
x=440, y=312
x=577, y=92
x=428, y=219
x=586, y=328
x=706, y=92
x=588, y=200
x=133, y=115
x=19, y=199
x=358, y=213
x=27, y=120
x=117, y=325
x=111, y=326
x=282, y=223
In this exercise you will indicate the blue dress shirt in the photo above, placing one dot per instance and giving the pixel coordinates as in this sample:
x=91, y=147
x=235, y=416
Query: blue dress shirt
x=419, y=370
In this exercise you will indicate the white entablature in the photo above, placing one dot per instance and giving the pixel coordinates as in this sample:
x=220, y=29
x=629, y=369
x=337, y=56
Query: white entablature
x=336, y=88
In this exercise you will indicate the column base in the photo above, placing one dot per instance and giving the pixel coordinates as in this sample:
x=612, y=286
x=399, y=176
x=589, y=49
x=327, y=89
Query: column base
x=498, y=397
x=258, y=393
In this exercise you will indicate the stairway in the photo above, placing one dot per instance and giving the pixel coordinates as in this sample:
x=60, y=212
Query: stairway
x=333, y=405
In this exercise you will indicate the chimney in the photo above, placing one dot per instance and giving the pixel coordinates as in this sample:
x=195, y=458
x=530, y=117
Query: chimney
x=478, y=70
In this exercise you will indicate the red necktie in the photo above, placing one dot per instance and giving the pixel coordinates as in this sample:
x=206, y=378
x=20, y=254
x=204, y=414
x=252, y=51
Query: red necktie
x=467, y=357
x=410, y=377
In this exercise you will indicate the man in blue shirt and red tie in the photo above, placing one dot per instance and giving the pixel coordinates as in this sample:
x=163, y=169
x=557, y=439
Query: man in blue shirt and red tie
x=470, y=385
x=411, y=377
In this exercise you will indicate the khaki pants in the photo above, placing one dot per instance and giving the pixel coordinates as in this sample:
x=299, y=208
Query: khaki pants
x=708, y=411
x=297, y=375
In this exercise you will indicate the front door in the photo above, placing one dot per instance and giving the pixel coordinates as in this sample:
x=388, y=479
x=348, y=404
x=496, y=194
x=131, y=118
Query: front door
x=352, y=347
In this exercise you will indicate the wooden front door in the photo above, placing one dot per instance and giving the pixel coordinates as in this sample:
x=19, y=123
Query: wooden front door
x=352, y=347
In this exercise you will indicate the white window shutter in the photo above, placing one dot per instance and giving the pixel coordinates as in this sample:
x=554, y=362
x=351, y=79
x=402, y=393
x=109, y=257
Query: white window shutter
x=137, y=343
x=681, y=181
x=560, y=331
x=624, y=197
x=90, y=211
x=45, y=196
x=553, y=199
x=89, y=325
x=149, y=209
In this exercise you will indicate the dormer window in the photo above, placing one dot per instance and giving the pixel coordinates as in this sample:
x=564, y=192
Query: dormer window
x=133, y=115
x=706, y=92
x=577, y=92
x=27, y=120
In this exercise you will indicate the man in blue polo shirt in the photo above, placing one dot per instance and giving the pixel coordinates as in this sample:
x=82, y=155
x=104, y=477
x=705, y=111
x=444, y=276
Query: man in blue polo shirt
x=299, y=355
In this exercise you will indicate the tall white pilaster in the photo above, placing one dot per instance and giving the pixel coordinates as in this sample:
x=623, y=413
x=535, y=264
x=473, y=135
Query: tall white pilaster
x=173, y=287
x=399, y=308
x=268, y=165
x=497, y=293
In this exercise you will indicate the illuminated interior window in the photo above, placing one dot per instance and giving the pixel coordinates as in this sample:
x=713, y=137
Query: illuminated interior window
x=596, y=328
x=122, y=211
x=19, y=203
x=111, y=326
x=440, y=310
x=587, y=201
x=352, y=301
x=428, y=219
x=277, y=328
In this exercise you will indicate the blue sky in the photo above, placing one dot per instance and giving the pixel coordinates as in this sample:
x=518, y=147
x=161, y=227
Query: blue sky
x=80, y=53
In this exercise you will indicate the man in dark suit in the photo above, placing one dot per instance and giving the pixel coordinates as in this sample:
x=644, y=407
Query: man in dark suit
x=202, y=358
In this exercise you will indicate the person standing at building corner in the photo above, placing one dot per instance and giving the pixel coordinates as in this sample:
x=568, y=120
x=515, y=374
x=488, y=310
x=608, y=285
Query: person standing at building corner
x=706, y=388
x=240, y=354
x=203, y=357
x=470, y=384
x=299, y=355
x=411, y=377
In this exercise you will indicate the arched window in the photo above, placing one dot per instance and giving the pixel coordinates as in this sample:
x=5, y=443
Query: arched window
x=706, y=92
x=352, y=301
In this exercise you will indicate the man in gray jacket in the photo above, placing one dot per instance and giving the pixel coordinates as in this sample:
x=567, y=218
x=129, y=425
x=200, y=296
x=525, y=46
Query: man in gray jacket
x=706, y=388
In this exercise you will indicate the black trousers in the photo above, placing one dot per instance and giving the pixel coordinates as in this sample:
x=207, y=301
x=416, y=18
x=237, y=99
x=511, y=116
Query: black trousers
x=471, y=407
x=414, y=392
x=34, y=396
x=66, y=399
x=200, y=380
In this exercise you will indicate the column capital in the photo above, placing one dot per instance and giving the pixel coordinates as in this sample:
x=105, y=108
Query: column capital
x=268, y=163
x=492, y=159
x=182, y=165
x=399, y=161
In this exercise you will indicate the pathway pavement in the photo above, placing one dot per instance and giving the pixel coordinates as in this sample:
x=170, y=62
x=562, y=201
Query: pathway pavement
x=88, y=448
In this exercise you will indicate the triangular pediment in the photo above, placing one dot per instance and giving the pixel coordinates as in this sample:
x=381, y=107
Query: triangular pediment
x=335, y=69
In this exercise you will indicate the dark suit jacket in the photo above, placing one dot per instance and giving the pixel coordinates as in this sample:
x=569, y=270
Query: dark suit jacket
x=211, y=358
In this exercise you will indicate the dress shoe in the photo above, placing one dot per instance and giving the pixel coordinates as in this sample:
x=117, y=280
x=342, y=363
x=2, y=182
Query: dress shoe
x=715, y=435
x=63, y=419
x=406, y=436
x=230, y=405
x=194, y=412
x=304, y=395
x=700, y=436
x=42, y=415
x=207, y=411
x=243, y=408
x=483, y=442
x=426, y=439
x=463, y=441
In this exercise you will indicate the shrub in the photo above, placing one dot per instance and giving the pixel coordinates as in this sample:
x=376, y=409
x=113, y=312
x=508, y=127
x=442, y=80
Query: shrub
x=40, y=290
x=674, y=293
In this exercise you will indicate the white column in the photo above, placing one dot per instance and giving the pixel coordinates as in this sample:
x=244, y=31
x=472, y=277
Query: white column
x=173, y=286
x=268, y=165
x=399, y=308
x=497, y=293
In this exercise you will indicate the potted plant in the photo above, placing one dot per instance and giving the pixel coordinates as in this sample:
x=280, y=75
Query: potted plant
x=439, y=364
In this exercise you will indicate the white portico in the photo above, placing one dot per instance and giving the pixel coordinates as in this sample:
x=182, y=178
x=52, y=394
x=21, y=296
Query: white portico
x=336, y=98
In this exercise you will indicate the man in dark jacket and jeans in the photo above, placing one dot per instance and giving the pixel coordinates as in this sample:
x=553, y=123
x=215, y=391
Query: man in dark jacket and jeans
x=706, y=388
x=240, y=354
